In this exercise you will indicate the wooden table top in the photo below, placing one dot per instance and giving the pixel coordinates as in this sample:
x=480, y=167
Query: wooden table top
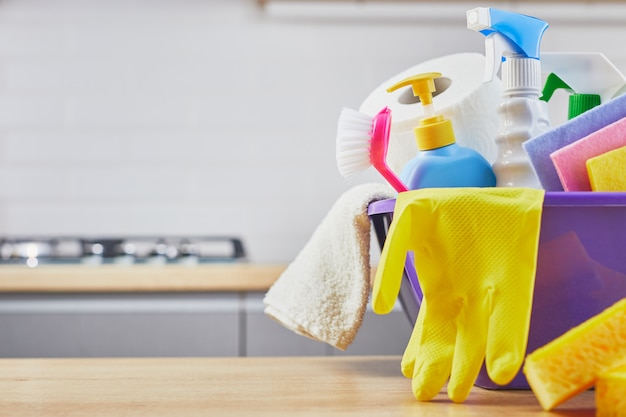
x=124, y=278
x=287, y=386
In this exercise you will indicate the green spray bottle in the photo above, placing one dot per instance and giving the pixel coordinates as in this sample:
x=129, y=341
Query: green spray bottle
x=590, y=78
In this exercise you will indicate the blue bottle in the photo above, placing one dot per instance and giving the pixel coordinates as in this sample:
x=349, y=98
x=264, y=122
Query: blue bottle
x=440, y=162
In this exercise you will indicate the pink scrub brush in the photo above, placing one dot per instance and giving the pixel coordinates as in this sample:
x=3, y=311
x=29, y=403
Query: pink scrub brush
x=362, y=142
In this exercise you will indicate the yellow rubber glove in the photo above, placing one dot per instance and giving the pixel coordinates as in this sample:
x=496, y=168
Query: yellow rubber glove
x=475, y=256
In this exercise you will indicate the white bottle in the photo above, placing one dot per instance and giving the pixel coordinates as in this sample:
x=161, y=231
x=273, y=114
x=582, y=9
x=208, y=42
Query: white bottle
x=512, y=42
x=522, y=116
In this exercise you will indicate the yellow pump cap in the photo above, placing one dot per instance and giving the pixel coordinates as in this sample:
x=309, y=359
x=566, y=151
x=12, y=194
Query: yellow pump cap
x=433, y=131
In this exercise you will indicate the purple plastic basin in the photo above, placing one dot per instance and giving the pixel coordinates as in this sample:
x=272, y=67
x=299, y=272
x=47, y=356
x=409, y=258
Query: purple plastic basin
x=581, y=265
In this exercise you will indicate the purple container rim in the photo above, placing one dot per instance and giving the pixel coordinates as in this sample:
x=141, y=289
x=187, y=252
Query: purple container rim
x=551, y=199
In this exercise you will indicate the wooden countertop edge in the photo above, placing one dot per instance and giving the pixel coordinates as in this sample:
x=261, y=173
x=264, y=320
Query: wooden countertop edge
x=237, y=386
x=137, y=278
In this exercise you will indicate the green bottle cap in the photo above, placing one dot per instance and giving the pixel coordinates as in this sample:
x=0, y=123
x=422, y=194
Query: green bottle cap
x=580, y=103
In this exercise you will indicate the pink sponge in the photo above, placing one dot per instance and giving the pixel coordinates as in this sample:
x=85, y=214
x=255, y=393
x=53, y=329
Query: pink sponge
x=607, y=172
x=570, y=161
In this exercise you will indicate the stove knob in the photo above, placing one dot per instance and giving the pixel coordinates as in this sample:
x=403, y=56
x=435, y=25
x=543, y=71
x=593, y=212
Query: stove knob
x=159, y=255
x=189, y=253
x=125, y=253
x=92, y=253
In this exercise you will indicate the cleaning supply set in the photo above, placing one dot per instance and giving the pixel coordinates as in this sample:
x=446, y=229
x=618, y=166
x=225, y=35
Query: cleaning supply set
x=513, y=42
x=474, y=235
x=440, y=334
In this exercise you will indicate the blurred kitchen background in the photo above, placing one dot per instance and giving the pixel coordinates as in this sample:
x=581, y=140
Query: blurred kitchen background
x=204, y=118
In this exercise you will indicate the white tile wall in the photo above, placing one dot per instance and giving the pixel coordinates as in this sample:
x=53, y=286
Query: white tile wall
x=210, y=116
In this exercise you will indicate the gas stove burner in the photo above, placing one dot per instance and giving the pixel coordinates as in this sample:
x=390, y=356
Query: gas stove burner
x=33, y=251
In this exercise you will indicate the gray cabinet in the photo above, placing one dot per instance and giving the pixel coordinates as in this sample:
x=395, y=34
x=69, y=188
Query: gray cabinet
x=116, y=325
x=170, y=324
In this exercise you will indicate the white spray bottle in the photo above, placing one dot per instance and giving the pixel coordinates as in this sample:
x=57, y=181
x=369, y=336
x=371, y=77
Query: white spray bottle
x=590, y=78
x=513, y=42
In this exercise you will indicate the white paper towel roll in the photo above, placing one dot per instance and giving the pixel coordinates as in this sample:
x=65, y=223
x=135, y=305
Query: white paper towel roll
x=461, y=96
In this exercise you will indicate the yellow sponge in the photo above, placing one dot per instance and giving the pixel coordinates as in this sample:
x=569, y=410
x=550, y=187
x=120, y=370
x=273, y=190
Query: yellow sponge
x=572, y=362
x=607, y=172
x=611, y=394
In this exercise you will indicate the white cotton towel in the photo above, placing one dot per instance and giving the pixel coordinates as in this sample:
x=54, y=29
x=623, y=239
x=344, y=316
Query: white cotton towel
x=323, y=293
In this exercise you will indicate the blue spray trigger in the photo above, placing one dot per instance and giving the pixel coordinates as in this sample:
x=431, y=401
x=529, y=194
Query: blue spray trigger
x=523, y=32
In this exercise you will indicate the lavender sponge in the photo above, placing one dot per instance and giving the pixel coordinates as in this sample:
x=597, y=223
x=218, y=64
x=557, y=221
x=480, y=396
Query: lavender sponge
x=540, y=147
